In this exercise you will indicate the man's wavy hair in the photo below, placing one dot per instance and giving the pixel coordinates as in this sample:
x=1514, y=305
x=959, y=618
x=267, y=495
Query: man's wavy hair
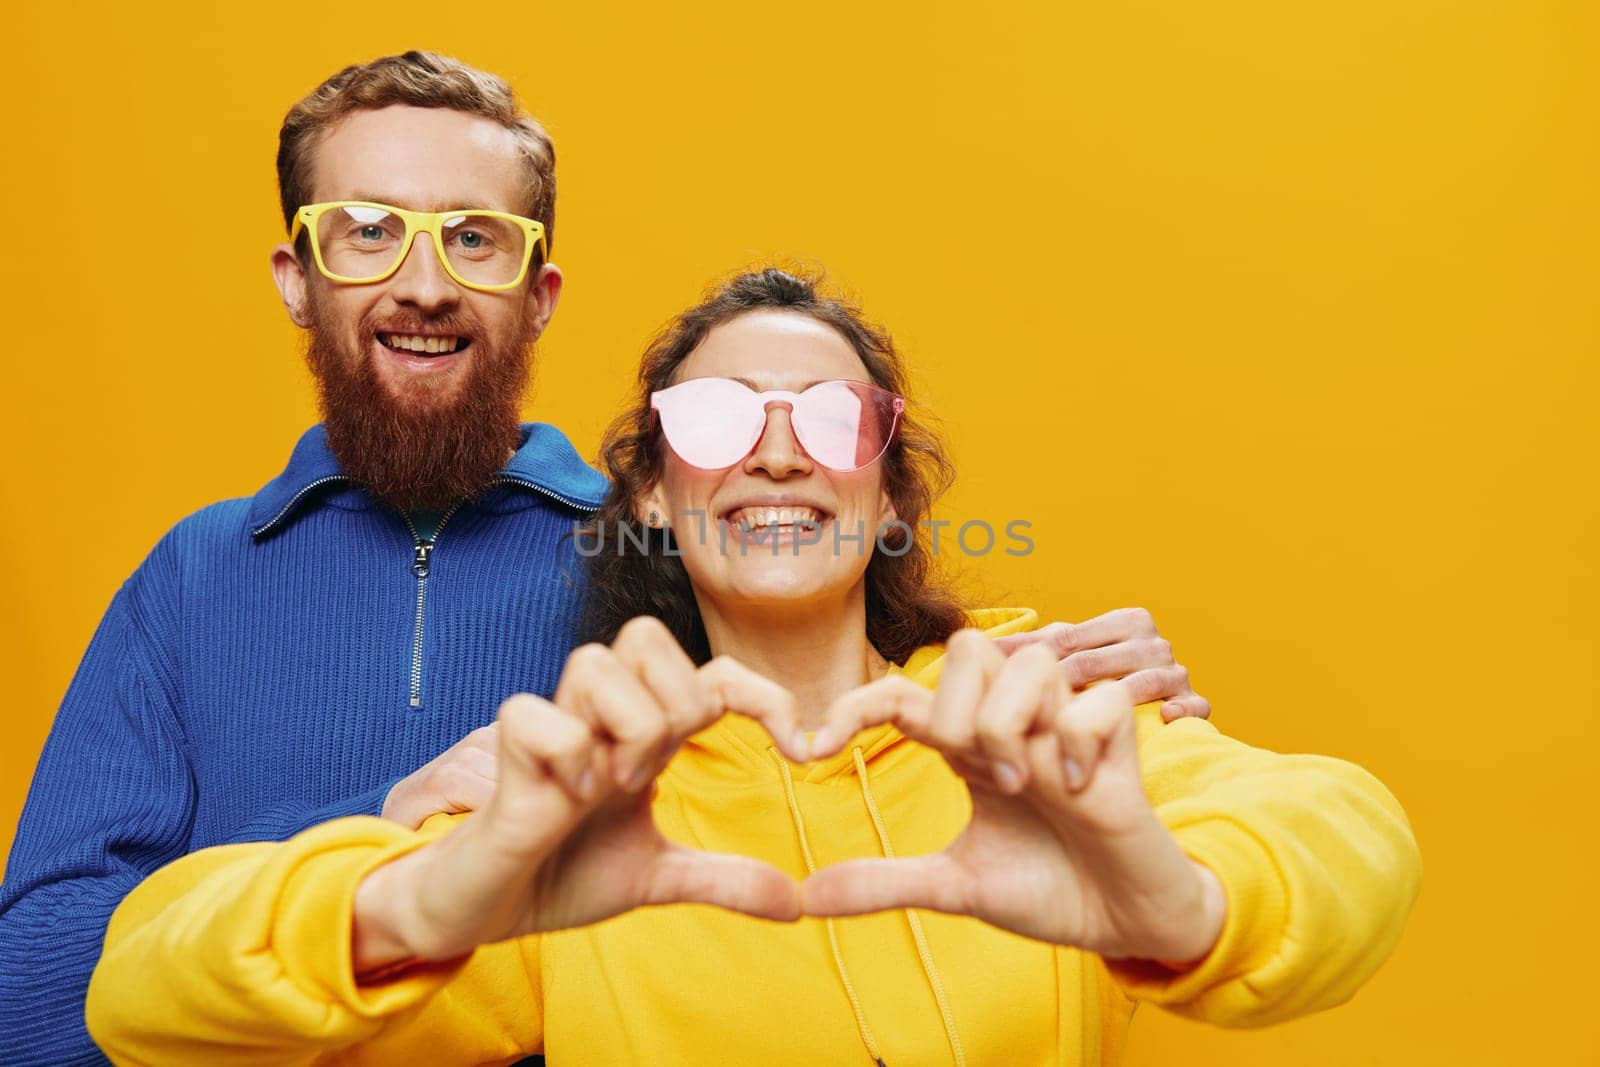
x=419, y=79
x=909, y=603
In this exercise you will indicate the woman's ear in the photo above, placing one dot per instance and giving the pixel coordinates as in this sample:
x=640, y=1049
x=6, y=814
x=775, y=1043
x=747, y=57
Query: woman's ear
x=886, y=512
x=651, y=508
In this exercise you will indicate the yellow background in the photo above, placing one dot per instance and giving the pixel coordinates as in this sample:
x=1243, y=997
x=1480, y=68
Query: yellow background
x=1277, y=319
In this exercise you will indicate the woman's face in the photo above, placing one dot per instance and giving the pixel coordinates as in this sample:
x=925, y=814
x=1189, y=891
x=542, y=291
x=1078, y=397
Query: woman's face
x=777, y=485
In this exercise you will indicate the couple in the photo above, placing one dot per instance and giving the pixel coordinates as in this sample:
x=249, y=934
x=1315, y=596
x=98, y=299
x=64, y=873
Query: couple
x=1268, y=885
x=338, y=643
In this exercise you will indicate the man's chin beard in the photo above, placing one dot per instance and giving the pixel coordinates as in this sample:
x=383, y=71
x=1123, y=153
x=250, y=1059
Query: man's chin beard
x=418, y=450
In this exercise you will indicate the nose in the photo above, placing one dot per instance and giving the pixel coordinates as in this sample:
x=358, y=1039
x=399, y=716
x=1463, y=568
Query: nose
x=778, y=453
x=420, y=281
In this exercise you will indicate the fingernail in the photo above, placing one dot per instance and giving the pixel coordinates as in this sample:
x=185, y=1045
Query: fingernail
x=1074, y=774
x=819, y=743
x=1010, y=781
x=637, y=781
x=586, y=784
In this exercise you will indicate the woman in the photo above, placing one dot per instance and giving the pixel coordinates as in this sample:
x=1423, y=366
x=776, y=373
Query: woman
x=1068, y=856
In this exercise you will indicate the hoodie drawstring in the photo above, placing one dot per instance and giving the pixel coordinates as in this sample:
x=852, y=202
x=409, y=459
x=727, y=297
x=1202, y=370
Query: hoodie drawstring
x=928, y=967
x=923, y=950
x=833, y=936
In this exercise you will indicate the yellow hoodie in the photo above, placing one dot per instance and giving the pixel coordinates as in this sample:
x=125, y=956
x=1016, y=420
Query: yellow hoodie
x=241, y=954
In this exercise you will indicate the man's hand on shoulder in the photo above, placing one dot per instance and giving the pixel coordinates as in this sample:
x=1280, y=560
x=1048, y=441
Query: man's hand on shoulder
x=461, y=778
x=1119, y=644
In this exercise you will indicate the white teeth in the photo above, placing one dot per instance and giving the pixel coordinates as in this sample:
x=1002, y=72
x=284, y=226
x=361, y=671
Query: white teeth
x=757, y=518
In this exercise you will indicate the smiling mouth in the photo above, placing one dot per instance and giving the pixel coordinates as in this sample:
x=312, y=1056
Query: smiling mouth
x=775, y=521
x=423, y=345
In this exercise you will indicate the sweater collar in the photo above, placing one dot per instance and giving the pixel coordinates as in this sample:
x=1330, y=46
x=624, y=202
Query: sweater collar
x=545, y=463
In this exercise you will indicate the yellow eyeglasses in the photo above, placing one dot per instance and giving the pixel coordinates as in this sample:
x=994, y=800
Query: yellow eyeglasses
x=358, y=242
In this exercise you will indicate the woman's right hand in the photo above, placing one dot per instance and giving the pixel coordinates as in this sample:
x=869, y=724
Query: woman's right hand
x=567, y=838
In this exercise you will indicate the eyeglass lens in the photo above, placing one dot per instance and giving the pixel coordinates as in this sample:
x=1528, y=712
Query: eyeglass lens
x=362, y=243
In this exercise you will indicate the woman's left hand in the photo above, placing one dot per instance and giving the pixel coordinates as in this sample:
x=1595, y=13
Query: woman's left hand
x=1063, y=845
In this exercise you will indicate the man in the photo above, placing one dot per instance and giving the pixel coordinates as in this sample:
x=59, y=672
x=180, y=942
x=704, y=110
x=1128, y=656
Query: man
x=337, y=643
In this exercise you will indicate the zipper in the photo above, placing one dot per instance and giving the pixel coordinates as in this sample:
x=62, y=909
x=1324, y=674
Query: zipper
x=270, y=523
x=421, y=560
x=541, y=490
x=422, y=554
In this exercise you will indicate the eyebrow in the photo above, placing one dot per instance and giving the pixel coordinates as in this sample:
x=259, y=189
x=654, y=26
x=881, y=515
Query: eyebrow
x=754, y=388
x=436, y=208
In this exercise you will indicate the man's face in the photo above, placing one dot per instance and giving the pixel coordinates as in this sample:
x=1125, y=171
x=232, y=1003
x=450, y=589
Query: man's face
x=393, y=414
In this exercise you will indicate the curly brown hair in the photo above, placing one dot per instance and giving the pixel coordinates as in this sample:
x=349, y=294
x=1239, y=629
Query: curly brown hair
x=634, y=570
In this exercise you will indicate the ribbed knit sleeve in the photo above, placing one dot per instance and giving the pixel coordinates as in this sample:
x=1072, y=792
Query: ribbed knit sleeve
x=283, y=821
x=111, y=801
x=1316, y=859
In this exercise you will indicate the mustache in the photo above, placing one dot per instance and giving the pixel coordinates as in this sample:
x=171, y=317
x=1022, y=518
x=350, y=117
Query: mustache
x=451, y=323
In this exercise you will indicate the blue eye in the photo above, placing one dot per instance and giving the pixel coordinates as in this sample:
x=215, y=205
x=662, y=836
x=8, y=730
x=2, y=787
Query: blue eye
x=371, y=233
x=472, y=240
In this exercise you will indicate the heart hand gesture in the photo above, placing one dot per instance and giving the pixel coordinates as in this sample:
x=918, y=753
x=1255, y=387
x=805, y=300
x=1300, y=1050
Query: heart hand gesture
x=1063, y=845
x=567, y=838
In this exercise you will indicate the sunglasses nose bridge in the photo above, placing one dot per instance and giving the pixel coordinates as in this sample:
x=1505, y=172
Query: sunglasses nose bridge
x=786, y=451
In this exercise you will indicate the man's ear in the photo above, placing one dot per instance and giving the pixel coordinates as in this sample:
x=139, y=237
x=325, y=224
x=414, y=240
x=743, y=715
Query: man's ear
x=290, y=275
x=544, y=292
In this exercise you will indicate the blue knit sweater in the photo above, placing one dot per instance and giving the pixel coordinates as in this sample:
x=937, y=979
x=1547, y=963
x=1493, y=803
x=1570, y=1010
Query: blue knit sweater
x=275, y=662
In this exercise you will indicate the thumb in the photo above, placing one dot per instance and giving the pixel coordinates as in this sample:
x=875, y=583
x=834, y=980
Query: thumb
x=856, y=887
x=689, y=876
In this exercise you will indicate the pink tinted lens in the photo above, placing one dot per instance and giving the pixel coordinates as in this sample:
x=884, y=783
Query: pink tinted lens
x=710, y=422
x=714, y=423
x=846, y=425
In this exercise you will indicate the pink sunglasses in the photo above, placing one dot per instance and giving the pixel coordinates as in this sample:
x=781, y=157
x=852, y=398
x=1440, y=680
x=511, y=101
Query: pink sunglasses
x=713, y=423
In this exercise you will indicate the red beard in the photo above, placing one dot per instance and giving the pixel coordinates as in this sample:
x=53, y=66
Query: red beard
x=420, y=449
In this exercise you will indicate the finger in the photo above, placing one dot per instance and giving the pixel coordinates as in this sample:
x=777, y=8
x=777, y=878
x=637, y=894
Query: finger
x=857, y=887
x=648, y=648
x=464, y=789
x=476, y=761
x=540, y=741
x=1122, y=624
x=737, y=883
x=1158, y=683
x=1046, y=767
x=739, y=689
x=1085, y=726
x=896, y=699
x=600, y=687
x=1029, y=688
x=483, y=739
x=1117, y=661
x=971, y=664
x=464, y=780
x=1056, y=636
x=1193, y=706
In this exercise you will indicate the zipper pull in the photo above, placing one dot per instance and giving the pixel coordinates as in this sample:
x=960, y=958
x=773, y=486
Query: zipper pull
x=419, y=563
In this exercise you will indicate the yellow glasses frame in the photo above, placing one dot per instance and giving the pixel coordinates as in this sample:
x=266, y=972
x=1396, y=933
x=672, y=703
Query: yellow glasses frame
x=429, y=222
